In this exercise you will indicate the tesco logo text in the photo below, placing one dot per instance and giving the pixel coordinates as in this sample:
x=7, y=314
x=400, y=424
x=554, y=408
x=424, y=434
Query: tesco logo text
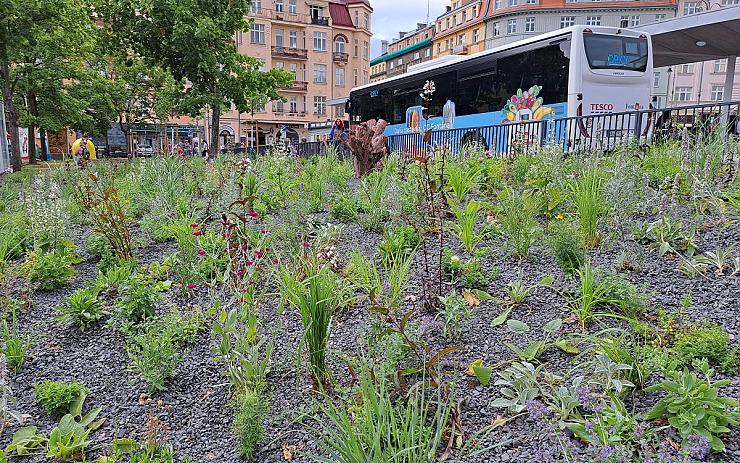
x=602, y=107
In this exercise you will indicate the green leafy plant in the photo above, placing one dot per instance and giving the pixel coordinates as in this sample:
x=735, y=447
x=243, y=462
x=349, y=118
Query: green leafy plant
x=250, y=410
x=533, y=349
x=69, y=440
x=668, y=236
x=154, y=355
x=693, y=406
x=397, y=269
x=518, y=291
x=468, y=274
x=364, y=274
x=462, y=180
x=519, y=383
x=465, y=226
x=704, y=340
x=52, y=269
x=587, y=195
x=138, y=298
x=83, y=307
x=60, y=398
x=567, y=245
x=453, y=312
x=15, y=345
x=519, y=222
x=343, y=208
x=398, y=241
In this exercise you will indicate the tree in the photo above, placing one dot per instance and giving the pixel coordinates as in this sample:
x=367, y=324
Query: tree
x=194, y=40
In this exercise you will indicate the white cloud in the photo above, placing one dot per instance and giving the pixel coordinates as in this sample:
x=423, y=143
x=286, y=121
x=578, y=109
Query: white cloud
x=392, y=16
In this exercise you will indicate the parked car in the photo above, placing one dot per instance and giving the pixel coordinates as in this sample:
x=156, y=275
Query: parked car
x=115, y=152
x=144, y=150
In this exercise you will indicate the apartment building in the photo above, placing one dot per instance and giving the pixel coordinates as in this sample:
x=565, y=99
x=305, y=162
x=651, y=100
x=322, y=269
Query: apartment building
x=696, y=83
x=409, y=48
x=326, y=44
x=460, y=30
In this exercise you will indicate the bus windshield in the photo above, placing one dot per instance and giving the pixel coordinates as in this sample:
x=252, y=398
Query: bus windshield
x=616, y=52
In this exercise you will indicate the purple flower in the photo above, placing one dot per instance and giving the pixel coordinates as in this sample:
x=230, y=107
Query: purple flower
x=588, y=400
x=538, y=411
x=698, y=446
x=607, y=451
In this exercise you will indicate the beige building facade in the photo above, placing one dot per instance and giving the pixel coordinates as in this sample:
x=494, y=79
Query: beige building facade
x=326, y=44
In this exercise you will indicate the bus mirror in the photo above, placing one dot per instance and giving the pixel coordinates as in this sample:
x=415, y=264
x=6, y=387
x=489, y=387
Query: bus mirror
x=579, y=97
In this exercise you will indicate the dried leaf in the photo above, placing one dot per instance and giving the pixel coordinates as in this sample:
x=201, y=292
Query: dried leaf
x=499, y=421
x=411, y=298
x=288, y=452
x=471, y=298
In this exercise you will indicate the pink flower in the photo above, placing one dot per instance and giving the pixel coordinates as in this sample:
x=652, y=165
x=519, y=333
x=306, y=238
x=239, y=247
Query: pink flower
x=252, y=214
x=197, y=233
x=227, y=235
x=258, y=253
x=200, y=252
x=192, y=286
x=249, y=263
x=193, y=225
x=275, y=261
x=244, y=247
x=239, y=273
x=305, y=244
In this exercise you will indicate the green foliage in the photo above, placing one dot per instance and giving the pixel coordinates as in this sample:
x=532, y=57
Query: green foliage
x=154, y=355
x=60, y=398
x=453, y=312
x=587, y=195
x=70, y=438
x=461, y=180
x=343, y=208
x=567, y=245
x=533, y=348
x=400, y=240
x=50, y=270
x=693, y=406
x=12, y=238
x=377, y=427
x=519, y=222
x=363, y=273
x=468, y=274
x=250, y=411
x=662, y=164
x=14, y=345
x=668, y=236
x=465, y=226
x=83, y=307
x=704, y=340
x=397, y=269
x=519, y=383
x=138, y=299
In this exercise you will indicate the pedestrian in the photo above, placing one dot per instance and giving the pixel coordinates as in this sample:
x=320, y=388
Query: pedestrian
x=205, y=149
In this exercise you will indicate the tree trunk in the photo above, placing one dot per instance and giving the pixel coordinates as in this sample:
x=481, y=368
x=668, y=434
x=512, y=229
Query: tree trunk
x=214, y=146
x=11, y=116
x=33, y=110
x=44, y=144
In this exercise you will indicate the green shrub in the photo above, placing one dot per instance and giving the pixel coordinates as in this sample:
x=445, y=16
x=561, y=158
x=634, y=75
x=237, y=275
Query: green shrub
x=50, y=270
x=250, y=410
x=398, y=241
x=519, y=222
x=453, y=312
x=662, y=164
x=704, y=340
x=343, y=208
x=567, y=245
x=57, y=397
x=467, y=274
x=97, y=245
x=14, y=345
x=154, y=355
x=138, y=299
x=82, y=307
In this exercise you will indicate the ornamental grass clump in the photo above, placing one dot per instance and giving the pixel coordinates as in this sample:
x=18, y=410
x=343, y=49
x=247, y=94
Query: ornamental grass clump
x=587, y=195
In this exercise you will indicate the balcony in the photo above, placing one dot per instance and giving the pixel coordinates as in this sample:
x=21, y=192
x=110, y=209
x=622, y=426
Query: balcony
x=340, y=57
x=280, y=16
x=289, y=53
x=319, y=21
x=460, y=50
x=287, y=113
x=298, y=86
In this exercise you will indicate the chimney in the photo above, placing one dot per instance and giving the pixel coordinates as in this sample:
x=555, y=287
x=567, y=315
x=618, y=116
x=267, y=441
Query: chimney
x=420, y=26
x=383, y=47
x=401, y=35
x=449, y=8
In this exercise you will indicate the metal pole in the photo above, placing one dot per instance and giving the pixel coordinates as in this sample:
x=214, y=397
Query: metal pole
x=4, y=148
x=727, y=92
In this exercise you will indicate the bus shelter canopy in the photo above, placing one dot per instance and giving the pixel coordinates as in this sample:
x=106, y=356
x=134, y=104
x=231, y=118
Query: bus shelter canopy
x=698, y=37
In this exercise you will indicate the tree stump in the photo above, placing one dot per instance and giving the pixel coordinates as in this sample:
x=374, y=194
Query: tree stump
x=367, y=143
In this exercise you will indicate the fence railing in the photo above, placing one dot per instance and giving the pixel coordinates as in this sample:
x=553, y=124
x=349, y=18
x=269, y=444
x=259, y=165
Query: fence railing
x=594, y=132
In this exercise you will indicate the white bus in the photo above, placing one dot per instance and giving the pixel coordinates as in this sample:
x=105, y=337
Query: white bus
x=576, y=71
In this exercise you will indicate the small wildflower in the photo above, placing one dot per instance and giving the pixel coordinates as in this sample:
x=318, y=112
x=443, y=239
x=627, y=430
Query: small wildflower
x=193, y=225
x=249, y=263
x=227, y=235
x=559, y=216
x=200, y=252
x=305, y=245
x=192, y=285
x=264, y=232
x=244, y=247
x=252, y=214
x=197, y=233
x=258, y=254
x=275, y=261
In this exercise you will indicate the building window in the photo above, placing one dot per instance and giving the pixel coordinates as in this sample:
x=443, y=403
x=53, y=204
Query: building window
x=476, y=35
x=461, y=39
x=529, y=24
x=293, y=6
x=417, y=56
x=634, y=20
x=293, y=104
x=718, y=92
x=531, y=2
x=475, y=12
x=354, y=77
x=730, y=2
x=365, y=77
x=497, y=4
x=624, y=21
x=656, y=79
x=400, y=61
x=256, y=6
x=683, y=94
x=257, y=33
x=367, y=21
x=279, y=38
x=686, y=69
x=279, y=6
x=357, y=48
x=513, y=2
x=340, y=45
x=356, y=22
x=365, y=50
x=293, y=38
x=427, y=53
x=319, y=41
x=567, y=21
x=496, y=29
x=319, y=105
x=316, y=12
x=593, y=20
x=279, y=65
x=659, y=17
x=511, y=26
x=464, y=16
x=391, y=65
x=238, y=38
x=720, y=66
x=692, y=8
x=339, y=77
x=319, y=73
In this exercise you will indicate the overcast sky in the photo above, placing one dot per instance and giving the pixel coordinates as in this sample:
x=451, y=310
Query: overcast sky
x=392, y=16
